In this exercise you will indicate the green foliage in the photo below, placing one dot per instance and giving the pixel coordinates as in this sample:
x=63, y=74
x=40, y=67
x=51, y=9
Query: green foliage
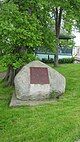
x=18, y=60
x=69, y=44
x=26, y=58
x=18, y=28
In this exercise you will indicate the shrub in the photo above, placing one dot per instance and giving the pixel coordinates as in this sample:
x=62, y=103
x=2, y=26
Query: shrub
x=47, y=61
x=66, y=60
x=61, y=61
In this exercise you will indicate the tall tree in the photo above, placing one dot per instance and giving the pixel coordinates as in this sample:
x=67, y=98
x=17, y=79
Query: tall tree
x=21, y=31
x=66, y=14
x=19, y=34
x=63, y=14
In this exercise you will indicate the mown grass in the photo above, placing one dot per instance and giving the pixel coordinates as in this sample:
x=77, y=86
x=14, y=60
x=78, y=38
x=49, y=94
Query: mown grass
x=55, y=122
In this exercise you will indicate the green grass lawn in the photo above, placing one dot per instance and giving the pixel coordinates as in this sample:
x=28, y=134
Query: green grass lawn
x=57, y=122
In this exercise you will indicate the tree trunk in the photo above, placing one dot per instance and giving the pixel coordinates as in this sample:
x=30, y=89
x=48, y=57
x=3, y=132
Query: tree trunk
x=10, y=75
x=58, y=16
x=7, y=74
x=9, y=78
x=56, y=53
x=11, y=72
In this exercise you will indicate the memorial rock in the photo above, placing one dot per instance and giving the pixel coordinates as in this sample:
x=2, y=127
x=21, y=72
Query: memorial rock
x=36, y=81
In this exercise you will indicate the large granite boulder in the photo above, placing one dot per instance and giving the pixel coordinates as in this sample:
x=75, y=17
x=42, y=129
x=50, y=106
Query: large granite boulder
x=36, y=81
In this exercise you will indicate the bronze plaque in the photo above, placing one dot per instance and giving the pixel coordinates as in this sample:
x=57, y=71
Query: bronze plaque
x=39, y=75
